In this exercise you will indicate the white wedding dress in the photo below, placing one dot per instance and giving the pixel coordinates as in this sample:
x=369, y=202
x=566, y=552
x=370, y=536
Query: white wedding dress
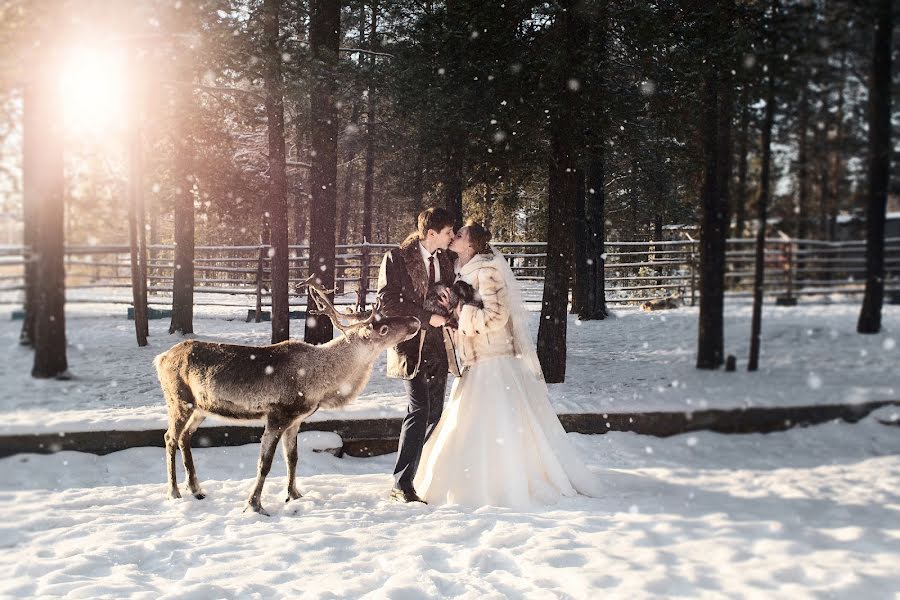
x=499, y=441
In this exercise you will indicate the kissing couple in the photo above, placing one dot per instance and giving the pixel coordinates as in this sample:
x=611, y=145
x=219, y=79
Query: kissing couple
x=499, y=442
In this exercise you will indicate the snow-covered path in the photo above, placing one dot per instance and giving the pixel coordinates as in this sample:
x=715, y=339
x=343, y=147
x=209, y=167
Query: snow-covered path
x=811, y=354
x=805, y=513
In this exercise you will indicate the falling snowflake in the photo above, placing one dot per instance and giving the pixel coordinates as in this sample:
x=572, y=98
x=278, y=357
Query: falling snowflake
x=814, y=381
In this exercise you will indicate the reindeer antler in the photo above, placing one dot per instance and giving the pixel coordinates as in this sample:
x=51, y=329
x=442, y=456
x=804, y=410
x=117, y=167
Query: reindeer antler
x=325, y=307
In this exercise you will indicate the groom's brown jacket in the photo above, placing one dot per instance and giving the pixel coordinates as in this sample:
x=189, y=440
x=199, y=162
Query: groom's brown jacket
x=402, y=286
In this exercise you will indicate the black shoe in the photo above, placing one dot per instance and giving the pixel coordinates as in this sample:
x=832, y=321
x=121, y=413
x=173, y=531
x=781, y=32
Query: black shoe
x=406, y=496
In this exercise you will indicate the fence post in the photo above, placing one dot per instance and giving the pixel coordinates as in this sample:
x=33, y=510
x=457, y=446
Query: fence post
x=788, y=298
x=259, y=282
x=789, y=254
x=363, y=289
x=693, y=275
x=339, y=274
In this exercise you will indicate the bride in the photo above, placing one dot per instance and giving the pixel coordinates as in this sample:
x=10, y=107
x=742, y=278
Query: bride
x=499, y=442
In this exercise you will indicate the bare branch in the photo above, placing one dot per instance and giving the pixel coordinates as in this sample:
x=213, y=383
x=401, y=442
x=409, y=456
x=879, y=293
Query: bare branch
x=212, y=89
x=360, y=50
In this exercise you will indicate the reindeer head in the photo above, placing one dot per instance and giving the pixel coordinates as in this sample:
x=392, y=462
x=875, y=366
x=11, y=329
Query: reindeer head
x=373, y=325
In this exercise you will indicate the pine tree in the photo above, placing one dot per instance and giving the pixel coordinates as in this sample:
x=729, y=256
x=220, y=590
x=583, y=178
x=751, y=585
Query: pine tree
x=879, y=166
x=324, y=40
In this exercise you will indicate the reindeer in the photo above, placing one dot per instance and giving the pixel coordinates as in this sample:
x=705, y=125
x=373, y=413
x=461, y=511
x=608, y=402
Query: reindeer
x=281, y=383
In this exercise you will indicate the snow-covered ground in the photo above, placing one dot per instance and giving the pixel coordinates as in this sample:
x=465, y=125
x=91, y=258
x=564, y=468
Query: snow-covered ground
x=807, y=513
x=637, y=361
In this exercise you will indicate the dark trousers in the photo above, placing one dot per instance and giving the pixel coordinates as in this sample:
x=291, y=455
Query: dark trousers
x=426, y=403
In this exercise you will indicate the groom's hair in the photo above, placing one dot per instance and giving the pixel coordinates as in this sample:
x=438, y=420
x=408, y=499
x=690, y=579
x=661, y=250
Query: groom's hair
x=436, y=218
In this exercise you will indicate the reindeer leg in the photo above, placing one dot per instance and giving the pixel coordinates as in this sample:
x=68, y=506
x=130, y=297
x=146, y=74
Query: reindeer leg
x=176, y=425
x=275, y=426
x=289, y=446
x=180, y=404
x=184, y=443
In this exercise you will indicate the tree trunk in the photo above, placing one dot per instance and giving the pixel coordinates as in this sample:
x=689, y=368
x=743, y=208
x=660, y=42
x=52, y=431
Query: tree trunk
x=44, y=154
x=802, y=216
x=763, y=201
x=453, y=177
x=740, y=198
x=835, y=150
x=300, y=208
x=710, y=351
x=343, y=233
x=183, y=157
x=717, y=99
x=325, y=25
x=594, y=275
x=879, y=168
x=369, y=187
x=369, y=179
x=579, y=273
x=725, y=149
x=346, y=198
x=657, y=234
x=276, y=199
x=419, y=175
x=32, y=177
x=136, y=233
x=563, y=189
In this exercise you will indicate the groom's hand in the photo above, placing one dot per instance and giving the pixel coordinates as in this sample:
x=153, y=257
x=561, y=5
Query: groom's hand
x=437, y=321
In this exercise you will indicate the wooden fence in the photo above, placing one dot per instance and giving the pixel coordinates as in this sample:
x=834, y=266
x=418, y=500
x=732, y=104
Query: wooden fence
x=635, y=271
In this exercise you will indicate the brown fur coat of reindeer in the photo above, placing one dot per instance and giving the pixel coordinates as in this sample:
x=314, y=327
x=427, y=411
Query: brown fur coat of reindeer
x=281, y=383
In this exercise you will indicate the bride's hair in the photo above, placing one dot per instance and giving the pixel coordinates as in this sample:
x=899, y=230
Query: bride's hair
x=479, y=237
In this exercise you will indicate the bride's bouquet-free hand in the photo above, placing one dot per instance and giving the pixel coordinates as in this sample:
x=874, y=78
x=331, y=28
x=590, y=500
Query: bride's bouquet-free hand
x=447, y=300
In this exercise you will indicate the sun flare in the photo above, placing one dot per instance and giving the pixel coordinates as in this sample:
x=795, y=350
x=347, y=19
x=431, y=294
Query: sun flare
x=93, y=92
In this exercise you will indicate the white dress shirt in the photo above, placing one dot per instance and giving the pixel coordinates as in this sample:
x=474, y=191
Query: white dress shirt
x=437, y=265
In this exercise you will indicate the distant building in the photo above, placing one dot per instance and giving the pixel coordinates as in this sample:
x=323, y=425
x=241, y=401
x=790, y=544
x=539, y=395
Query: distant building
x=853, y=227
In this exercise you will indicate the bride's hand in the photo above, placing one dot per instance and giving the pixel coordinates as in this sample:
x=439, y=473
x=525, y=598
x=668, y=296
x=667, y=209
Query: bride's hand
x=445, y=299
x=437, y=321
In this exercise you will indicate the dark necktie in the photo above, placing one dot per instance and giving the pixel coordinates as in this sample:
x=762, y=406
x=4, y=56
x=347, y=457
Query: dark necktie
x=432, y=276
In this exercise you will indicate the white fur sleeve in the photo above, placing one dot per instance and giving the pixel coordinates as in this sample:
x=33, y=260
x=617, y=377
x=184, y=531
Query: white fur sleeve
x=495, y=314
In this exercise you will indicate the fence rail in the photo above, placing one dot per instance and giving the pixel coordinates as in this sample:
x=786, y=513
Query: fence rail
x=635, y=271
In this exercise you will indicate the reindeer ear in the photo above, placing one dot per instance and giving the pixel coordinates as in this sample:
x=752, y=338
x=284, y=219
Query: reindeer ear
x=382, y=331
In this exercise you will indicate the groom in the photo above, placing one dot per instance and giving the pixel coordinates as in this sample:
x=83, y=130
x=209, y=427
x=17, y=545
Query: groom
x=423, y=361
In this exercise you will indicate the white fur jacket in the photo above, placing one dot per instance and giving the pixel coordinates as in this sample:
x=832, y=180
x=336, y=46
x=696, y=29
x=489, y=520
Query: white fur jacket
x=484, y=332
